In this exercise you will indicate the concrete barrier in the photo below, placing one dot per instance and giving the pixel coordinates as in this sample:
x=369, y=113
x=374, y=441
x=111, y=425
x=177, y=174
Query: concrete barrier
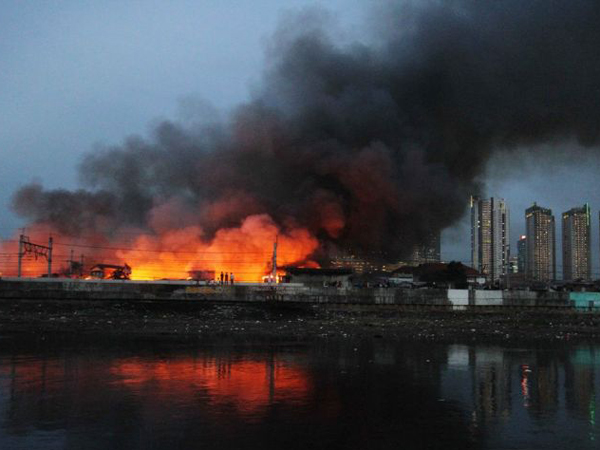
x=459, y=298
x=585, y=300
x=39, y=289
x=536, y=299
x=489, y=298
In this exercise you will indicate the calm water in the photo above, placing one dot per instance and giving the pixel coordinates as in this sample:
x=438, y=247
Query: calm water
x=364, y=395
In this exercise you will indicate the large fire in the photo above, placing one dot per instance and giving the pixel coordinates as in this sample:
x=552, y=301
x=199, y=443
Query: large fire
x=245, y=251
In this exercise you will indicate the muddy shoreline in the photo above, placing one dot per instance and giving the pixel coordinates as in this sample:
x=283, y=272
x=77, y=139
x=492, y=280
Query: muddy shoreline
x=293, y=323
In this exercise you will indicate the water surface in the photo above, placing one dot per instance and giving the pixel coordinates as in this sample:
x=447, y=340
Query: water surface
x=336, y=394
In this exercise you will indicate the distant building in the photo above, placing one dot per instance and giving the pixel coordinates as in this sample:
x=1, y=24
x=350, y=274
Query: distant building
x=541, y=243
x=576, y=244
x=357, y=264
x=444, y=273
x=513, y=264
x=490, y=238
x=428, y=252
x=339, y=277
x=522, y=254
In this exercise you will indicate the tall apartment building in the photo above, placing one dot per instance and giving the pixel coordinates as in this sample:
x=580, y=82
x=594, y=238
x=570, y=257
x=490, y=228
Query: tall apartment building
x=490, y=238
x=576, y=244
x=522, y=253
x=428, y=252
x=541, y=243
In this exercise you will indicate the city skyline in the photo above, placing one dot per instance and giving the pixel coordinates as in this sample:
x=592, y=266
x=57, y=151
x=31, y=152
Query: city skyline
x=584, y=215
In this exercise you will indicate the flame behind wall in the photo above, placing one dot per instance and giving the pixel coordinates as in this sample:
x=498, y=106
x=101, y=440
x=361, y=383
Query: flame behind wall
x=245, y=251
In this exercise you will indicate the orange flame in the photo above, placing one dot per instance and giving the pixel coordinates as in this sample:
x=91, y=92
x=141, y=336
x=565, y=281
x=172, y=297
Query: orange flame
x=246, y=251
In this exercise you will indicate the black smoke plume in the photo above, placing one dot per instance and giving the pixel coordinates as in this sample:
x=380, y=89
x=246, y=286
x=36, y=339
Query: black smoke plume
x=372, y=147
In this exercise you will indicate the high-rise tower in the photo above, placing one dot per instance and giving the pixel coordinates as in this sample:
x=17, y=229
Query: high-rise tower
x=576, y=244
x=541, y=244
x=522, y=253
x=490, y=236
x=428, y=252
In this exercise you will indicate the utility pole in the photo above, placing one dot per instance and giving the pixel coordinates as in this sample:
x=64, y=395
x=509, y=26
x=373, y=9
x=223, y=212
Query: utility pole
x=20, y=255
x=274, y=262
x=71, y=262
x=28, y=247
x=50, y=257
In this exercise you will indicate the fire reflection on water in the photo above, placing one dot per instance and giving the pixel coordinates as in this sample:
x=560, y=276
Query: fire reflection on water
x=247, y=386
x=392, y=392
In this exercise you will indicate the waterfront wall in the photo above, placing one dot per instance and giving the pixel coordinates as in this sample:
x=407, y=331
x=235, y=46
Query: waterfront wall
x=66, y=289
x=181, y=290
x=585, y=300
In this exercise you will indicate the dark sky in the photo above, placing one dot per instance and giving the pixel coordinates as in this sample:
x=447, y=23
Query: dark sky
x=77, y=74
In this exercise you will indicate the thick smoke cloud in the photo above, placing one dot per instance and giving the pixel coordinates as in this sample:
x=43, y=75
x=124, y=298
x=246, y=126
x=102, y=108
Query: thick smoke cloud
x=370, y=147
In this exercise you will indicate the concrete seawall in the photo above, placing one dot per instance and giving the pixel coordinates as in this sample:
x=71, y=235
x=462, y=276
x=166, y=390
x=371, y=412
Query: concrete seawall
x=68, y=289
x=180, y=290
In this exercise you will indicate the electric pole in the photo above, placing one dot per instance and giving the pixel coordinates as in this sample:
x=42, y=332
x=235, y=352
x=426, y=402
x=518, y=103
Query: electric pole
x=274, y=262
x=28, y=247
x=50, y=257
x=71, y=263
x=20, y=255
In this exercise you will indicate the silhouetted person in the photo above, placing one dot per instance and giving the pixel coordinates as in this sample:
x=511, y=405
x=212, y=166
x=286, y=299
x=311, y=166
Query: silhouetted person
x=226, y=278
x=231, y=277
x=221, y=277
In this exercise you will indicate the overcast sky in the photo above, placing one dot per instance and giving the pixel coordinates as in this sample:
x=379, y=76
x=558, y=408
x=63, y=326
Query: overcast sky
x=74, y=74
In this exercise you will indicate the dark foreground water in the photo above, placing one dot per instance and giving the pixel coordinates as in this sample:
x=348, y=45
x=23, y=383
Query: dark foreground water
x=354, y=395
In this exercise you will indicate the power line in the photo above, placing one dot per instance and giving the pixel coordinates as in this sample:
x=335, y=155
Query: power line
x=98, y=247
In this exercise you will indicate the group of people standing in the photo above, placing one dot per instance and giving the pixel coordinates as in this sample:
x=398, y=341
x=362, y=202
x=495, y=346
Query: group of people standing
x=227, y=278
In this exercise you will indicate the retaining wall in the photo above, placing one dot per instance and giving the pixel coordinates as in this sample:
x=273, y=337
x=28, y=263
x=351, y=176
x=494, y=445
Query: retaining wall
x=39, y=289
x=585, y=300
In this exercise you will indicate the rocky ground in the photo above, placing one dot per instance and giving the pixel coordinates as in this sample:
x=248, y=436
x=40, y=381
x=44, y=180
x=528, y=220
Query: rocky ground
x=259, y=322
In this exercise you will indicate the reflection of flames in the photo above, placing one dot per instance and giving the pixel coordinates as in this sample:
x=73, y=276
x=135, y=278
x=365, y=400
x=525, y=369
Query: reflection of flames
x=245, y=251
x=250, y=386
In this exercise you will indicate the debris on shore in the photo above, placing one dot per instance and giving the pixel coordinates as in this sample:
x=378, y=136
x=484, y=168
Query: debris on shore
x=289, y=322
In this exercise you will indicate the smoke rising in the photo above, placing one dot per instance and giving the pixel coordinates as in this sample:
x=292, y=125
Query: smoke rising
x=369, y=147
